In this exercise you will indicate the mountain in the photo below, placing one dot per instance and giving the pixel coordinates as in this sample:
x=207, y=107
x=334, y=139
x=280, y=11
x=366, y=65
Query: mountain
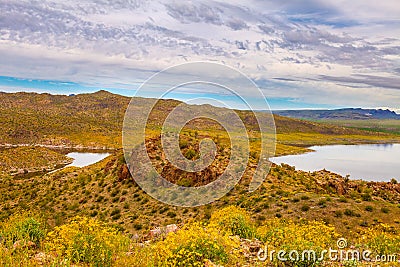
x=340, y=114
x=95, y=120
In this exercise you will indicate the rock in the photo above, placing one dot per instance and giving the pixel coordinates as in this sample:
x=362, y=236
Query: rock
x=135, y=237
x=250, y=248
x=155, y=232
x=123, y=173
x=171, y=228
x=42, y=258
x=21, y=171
x=158, y=231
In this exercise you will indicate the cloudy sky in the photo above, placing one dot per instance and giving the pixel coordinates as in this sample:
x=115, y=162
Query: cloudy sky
x=302, y=54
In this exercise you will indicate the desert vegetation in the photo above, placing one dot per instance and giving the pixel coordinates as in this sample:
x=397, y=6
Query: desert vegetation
x=230, y=237
x=98, y=216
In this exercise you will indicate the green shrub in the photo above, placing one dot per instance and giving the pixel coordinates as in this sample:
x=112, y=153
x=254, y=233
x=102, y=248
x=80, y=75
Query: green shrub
x=305, y=208
x=196, y=245
x=115, y=212
x=338, y=213
x=190, y=154
x=171, y=214
x=280, y=234
x=369, y=208
x=385, y=210
x=22, y=227
x=86, y=240
x=234, y=220
x=382, y=239
x=304, y=197
x=295, y=200
x=366, y=197
x=351, y=213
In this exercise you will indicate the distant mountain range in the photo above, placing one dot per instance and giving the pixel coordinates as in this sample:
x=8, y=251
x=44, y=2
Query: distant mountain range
x=339, y=114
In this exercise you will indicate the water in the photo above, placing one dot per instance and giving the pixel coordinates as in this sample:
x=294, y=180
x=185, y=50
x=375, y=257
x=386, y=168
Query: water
x=82, y=159
x=367, y=162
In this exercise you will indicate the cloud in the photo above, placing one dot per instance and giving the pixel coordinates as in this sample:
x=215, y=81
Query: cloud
x=374, y=81
x=345, y=46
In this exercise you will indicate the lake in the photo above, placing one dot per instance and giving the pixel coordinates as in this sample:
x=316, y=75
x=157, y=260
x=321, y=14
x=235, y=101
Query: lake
x=82, y=159
x=377, y=162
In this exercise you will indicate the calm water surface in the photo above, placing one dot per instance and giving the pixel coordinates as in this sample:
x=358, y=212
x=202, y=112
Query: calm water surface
x=82, y=159
x=367, y=162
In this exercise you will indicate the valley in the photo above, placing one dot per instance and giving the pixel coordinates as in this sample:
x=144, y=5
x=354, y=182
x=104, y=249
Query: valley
x=107, y=198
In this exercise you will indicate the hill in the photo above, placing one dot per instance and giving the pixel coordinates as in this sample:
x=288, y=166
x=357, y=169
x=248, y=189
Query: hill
x=90, y=120
x=95, y=121
x=36, y=213
x=340, y=114
x=26, y=160
x=105, y=193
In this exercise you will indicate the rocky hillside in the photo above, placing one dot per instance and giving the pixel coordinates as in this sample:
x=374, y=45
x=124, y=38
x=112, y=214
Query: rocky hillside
x=340, y=114
x=95, y=120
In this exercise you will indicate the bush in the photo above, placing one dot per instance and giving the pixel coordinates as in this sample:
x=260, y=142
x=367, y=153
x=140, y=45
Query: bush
x=194, y=245
x=305, y=208
x=234, y=221
x=366, y=197
x=296, y=199
x=86, y=240
x=338, y=213
x=115, y=212
x=280, y=234
x=349, y=212
x=385, y=210
x=369, y=208
x=381, y=239
x=171, y=214
x=304, y=197
x=138, y=226
x=322, y=203
x=190, y=154
x=183, y=144
x=23, y=227
x=94, y=213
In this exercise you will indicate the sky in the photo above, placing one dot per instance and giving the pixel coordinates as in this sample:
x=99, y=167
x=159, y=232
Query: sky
x=301, y=54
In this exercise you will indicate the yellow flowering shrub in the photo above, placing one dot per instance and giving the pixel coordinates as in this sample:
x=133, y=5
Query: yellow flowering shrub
x=20, y=258
x=21, y=227
x=381, y=239
x=234, y=221
x=285, y=235
x=195, y=244
x=86, y=240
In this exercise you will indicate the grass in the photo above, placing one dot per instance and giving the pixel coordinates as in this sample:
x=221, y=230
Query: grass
x=385, y=126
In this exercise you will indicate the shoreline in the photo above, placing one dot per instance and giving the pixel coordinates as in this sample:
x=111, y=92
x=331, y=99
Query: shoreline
x=62, y=147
